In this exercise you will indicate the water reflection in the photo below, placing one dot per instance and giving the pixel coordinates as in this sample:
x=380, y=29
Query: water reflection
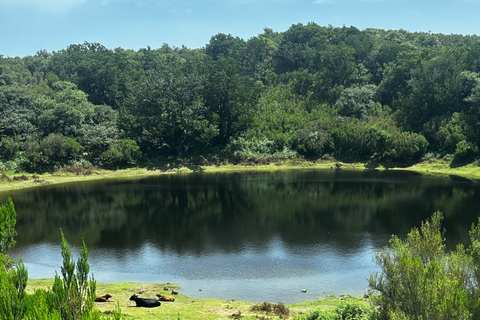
x=233, y=233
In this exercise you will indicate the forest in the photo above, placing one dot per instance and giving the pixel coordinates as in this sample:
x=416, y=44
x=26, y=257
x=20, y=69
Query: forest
x=386, y=96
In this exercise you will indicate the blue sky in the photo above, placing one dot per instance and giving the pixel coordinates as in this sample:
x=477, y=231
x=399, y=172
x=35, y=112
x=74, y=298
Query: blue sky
x=27, y=26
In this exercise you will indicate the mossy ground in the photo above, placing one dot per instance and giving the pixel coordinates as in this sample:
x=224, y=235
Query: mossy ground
x=186, y=308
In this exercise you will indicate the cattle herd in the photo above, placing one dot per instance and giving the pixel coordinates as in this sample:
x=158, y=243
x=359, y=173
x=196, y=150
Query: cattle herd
x=143, y=302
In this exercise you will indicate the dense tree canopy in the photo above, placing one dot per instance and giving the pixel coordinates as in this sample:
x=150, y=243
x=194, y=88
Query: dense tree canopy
x=371, y=95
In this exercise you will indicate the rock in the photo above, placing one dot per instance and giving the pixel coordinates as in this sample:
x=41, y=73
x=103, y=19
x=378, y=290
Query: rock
x=304, y=290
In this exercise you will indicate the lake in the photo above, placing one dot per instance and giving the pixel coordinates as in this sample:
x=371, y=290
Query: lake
x=255, y=236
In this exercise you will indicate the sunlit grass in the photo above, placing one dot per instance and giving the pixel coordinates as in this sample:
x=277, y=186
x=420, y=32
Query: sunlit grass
x=186, y=308
x=437, y=167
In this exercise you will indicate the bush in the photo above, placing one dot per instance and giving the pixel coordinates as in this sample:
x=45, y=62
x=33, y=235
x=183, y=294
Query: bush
x=279, y=309
x=53, y=150
x=9, y=147
x=123, y=152
x=345, y=311
x=420, y=280
x=263, y=149
x=354, y=311
x=81, y=167
x=314, y=141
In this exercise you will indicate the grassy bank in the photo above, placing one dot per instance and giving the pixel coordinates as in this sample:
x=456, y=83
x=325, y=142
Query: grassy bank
x=21, y=180
x=186, y=308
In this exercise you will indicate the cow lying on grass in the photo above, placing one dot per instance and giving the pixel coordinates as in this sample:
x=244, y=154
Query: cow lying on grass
x=103, y=298
x=161, y=297
x=145, y=302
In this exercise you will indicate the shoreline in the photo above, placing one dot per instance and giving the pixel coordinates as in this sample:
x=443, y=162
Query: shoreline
x=20, y=181
x=189, y=308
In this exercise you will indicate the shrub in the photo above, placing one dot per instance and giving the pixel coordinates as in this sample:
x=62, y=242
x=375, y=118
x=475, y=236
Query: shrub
x=20, y=178
x=279, y=309
x=263, y=149
x=345, y=311
x=419, y=280
x=354, y=311
x=5, y=177
x=81, y=167
x=53, y=150
x=9, y=147
x=123, y=152
x=74, y=293
x=8, y=220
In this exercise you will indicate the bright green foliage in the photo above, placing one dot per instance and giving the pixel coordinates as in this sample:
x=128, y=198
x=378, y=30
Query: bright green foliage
x=420, y=280
x=74, y=293
x=377, y=139
x=12, y=290
x=263, y=149
x=280, y=113
x=345, y=310
x=8, y=220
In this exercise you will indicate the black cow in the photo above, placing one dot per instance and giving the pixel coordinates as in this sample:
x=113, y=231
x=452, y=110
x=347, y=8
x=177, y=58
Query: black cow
x=145, y=302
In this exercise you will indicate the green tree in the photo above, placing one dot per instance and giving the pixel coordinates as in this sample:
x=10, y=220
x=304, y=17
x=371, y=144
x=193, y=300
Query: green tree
x=278, y=115
x=356, y=101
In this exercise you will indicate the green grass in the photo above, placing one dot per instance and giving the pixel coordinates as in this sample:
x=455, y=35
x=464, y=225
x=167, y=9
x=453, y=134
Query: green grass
x=436, y=167
x=186, y=308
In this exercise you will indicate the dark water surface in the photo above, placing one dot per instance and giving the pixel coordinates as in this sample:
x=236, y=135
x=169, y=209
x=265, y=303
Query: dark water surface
x=247, y=236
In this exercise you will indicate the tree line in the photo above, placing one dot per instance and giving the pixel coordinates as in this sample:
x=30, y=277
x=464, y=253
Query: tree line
x=312, y=91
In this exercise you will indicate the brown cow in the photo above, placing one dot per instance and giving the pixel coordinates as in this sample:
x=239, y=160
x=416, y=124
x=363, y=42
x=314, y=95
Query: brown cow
x=161, y=297
x=103, y=298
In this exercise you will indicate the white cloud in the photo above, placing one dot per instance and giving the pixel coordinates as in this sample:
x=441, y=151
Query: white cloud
x=50, y=6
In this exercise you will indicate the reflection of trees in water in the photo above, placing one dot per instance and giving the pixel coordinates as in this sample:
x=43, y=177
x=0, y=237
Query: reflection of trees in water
x=192, y=213
x=81, y=212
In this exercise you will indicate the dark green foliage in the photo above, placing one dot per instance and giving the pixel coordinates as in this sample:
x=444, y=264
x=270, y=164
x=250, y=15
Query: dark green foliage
x=53, y=150
x=314, y=90
x=123, y=152
x=356, y=101
x=8, y=220
x=9, y=147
